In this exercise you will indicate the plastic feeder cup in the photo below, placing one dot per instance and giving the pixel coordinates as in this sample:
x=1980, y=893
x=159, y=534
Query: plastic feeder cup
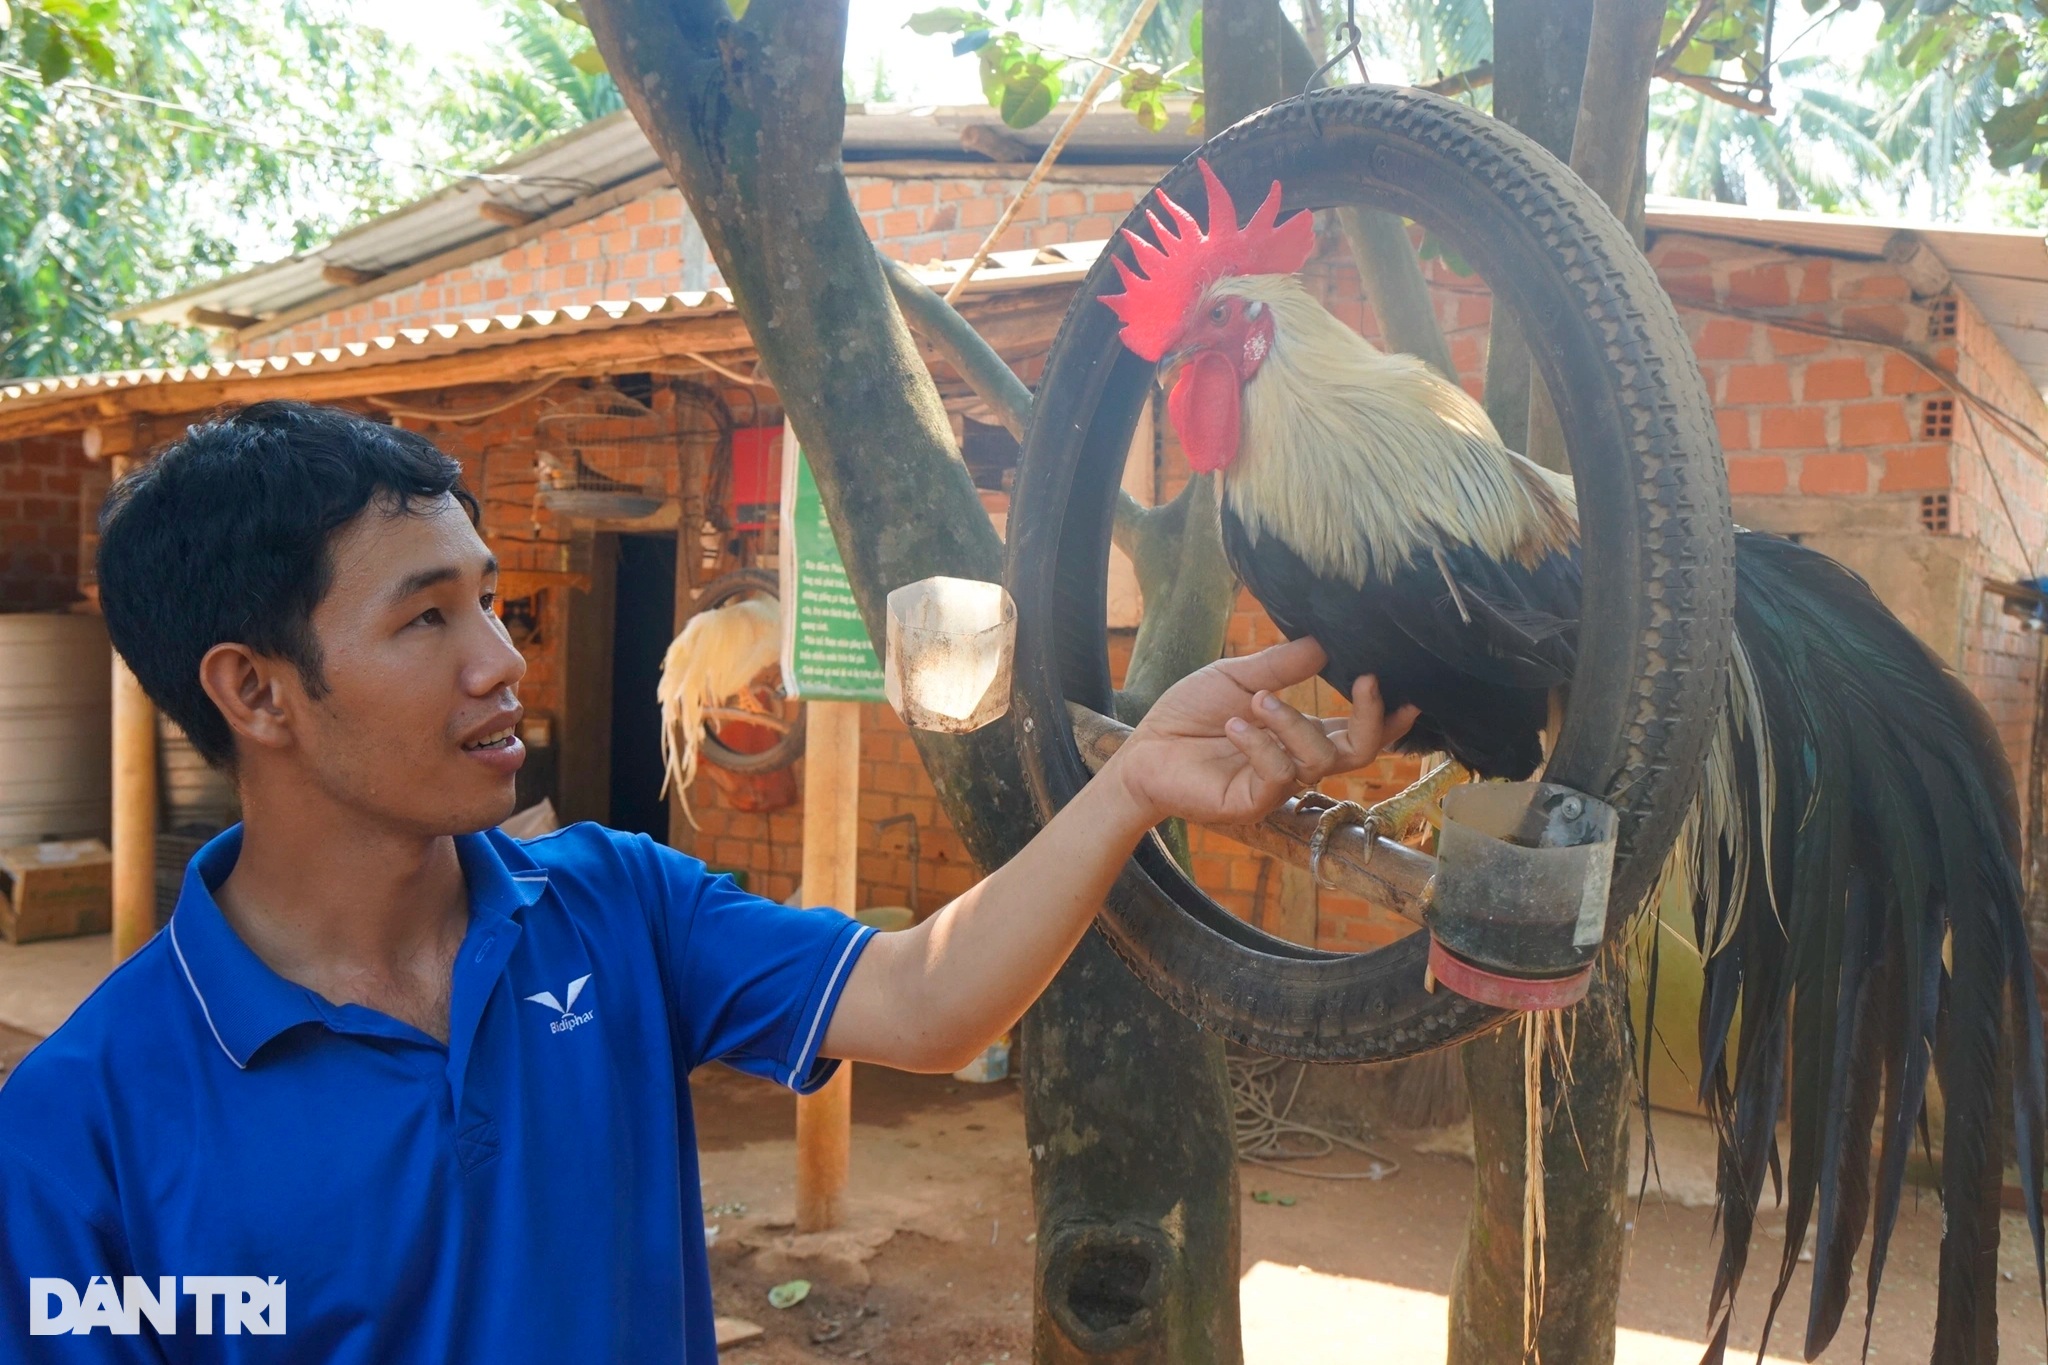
x=1521, y=893
x=950, y=649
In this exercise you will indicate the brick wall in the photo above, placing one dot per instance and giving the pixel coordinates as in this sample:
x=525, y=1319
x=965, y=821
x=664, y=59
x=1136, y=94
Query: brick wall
x=651, y=247
x=1833, y=440
x=40, y=492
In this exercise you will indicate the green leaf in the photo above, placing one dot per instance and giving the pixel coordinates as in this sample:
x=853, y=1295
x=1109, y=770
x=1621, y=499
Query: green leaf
x=1195, y=35
x=1149, y=108
x=2005, y=69
x=53, y=61
x=589, y=61
x=1198, y=118
x=98, y=57
x=1023, y=106
x=789, y=1294
x=950, y=19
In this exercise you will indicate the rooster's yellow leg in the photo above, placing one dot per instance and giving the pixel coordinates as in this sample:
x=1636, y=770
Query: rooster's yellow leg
x=1389, y=818
x=1420, y=800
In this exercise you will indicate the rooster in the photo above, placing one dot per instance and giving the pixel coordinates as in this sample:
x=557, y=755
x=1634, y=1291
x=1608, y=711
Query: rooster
x=1853, y=851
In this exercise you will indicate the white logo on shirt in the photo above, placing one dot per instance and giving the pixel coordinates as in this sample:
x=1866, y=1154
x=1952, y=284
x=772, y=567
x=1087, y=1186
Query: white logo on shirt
x=566, y=1007
x=248, y=1303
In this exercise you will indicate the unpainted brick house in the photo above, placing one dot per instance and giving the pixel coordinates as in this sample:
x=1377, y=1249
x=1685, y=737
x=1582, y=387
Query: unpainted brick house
x=1879, y=394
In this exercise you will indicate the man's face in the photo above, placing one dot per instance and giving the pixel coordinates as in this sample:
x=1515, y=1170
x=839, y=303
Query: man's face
x=416, y=725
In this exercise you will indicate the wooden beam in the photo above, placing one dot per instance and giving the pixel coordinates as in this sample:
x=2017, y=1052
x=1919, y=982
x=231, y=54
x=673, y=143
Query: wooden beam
x=1925, y=274
x=108, y=440
x=505, y=215
x=997, y=144
x=348, y=276
x=214, y=317
x=824, y=1120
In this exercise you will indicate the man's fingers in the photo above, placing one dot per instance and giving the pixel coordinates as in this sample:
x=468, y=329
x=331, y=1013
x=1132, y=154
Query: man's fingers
x=1304, y=739
x=1265, y=753
x=1396, y=727
x=1269, y=670
x=1371, y=728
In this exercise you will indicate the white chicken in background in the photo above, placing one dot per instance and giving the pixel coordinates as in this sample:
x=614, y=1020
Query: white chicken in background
x=712, y=662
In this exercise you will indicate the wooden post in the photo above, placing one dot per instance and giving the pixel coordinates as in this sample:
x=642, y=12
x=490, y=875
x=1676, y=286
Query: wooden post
x=134, y=819
x=824, y=1121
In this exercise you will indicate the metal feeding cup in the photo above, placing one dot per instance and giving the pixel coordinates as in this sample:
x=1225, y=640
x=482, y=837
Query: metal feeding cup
x=951, y=645
x=1520, y=904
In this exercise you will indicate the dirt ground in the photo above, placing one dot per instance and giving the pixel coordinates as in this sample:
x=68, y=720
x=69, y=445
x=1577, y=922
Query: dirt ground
x=934, y=1265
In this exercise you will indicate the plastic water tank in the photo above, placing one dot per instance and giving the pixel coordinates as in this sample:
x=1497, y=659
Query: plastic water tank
x=195, y=795
x=55, y=727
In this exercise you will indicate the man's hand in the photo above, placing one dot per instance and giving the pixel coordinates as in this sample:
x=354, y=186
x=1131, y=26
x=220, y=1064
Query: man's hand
x=1220, y=747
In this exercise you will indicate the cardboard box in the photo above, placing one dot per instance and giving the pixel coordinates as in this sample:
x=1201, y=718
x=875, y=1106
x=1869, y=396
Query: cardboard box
x=57, y=889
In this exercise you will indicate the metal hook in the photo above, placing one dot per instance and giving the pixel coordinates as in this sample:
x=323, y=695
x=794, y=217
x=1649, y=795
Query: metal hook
x=1350, y=36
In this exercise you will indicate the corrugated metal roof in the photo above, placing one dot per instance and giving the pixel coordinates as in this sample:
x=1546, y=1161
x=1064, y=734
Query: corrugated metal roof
x=1005, y=271
x=2004, y=271
x=611, y=152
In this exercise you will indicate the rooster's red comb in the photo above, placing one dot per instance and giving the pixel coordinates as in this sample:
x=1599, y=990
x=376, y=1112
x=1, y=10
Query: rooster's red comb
x=1154, y=304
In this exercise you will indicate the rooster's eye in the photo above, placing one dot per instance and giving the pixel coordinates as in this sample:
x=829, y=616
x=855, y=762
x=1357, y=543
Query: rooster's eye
x=1217, y=313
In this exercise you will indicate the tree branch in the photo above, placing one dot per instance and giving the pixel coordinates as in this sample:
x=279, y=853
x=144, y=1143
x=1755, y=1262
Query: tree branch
x=1686, y=33
x=940, y=325
x=1387, y=266
x=1474, y=78
x=1719, y=93
x=1188, y=589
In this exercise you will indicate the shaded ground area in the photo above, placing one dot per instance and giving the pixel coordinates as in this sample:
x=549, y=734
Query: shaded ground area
x=934, y=1266
x=14, y=1045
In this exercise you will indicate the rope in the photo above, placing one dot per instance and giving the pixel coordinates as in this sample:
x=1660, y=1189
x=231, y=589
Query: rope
x=1263, y=1129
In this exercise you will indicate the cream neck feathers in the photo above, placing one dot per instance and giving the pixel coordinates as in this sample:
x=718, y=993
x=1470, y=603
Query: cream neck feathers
x=1359, y=459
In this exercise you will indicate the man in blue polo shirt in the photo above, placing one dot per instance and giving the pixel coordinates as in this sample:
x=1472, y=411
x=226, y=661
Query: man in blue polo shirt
x=394, y=1087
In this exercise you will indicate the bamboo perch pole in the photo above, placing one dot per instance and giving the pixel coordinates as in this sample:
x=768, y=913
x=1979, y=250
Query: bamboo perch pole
x=1386, y=873
x=824, y=1121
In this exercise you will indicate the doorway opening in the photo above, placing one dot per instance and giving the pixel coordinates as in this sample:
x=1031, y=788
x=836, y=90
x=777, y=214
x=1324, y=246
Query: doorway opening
x=643, y=623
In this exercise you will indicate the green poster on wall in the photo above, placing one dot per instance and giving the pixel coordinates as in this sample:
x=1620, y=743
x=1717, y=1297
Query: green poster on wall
x=826, y=653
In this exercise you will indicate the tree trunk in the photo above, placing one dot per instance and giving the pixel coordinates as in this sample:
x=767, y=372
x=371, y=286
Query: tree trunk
x=1539, y=65
x=1585, y=1169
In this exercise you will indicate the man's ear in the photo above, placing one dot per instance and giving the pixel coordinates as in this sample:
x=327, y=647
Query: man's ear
x=247, y=687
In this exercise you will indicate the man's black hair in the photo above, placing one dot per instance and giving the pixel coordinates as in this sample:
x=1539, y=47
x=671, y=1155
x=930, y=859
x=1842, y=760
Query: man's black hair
x=224, y=538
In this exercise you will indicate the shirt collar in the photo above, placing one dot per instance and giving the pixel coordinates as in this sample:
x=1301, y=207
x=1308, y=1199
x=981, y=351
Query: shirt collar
x=245, y=1003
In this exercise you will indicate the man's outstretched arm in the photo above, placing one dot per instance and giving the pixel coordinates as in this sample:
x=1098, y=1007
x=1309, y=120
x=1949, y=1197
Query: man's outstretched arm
x=1218, y=747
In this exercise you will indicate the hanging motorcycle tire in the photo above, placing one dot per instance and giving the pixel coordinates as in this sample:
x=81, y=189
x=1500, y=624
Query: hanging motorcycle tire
x=1657, y=553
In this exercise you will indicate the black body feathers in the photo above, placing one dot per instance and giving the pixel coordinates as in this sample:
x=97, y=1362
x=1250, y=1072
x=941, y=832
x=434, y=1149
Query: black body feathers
x=1476, y=643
